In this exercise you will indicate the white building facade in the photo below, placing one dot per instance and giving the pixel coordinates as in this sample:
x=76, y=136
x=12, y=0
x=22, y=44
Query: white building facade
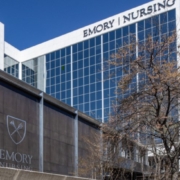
x=71, y=67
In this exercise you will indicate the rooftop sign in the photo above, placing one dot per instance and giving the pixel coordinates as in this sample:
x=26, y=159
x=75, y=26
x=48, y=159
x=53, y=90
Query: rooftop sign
x=150, y=9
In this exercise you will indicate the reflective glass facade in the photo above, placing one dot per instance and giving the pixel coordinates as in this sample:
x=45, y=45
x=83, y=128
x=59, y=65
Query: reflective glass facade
x=159, y=27
x=29, y=72
x=112, y=74
x=33, y=72
x=11, y=66
x=58, y=74
x=87, y=88
x=79, y=76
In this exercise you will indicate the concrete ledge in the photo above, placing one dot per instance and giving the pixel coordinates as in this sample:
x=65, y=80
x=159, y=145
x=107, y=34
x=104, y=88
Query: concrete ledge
x=17, y=174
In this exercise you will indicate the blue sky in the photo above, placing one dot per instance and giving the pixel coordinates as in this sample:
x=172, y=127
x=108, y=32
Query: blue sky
x=30, y=22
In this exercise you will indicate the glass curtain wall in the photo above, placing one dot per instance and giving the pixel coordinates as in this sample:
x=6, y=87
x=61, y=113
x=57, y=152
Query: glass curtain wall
x=159, y=28
x=33, y=72
x=58, y=74
x=74, y=74
x=112, y=74
x=29, y=72
x=87, y=90
x=11, y=66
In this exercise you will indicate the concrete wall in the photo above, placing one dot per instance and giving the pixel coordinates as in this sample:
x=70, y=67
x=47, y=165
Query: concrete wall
x=14, y=174
x=18, y=104
x=58, y=140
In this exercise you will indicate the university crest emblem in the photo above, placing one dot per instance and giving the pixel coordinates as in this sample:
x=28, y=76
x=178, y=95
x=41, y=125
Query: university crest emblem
x=16, y=129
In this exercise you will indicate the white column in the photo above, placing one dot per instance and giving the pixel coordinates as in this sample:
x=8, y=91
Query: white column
x=102, y=78
x=44, y=73
x=20, y=70
x=71, y=76
x=40, y=73
x=136, y=153
x=1, y=46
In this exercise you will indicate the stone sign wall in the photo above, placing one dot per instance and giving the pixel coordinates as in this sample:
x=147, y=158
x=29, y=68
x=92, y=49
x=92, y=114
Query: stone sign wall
x=38, y=132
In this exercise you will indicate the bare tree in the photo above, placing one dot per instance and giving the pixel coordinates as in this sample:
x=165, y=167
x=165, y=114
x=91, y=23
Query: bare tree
x=149, y=110
x=110, y=155
x=144, y=126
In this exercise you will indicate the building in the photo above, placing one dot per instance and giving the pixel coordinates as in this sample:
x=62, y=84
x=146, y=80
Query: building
x=71, y=67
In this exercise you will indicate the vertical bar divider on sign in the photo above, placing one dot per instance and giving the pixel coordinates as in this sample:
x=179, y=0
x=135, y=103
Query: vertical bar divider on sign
x=41, y=133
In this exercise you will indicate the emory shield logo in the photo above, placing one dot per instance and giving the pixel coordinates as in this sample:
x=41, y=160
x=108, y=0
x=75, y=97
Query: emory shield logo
x=16, y=129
